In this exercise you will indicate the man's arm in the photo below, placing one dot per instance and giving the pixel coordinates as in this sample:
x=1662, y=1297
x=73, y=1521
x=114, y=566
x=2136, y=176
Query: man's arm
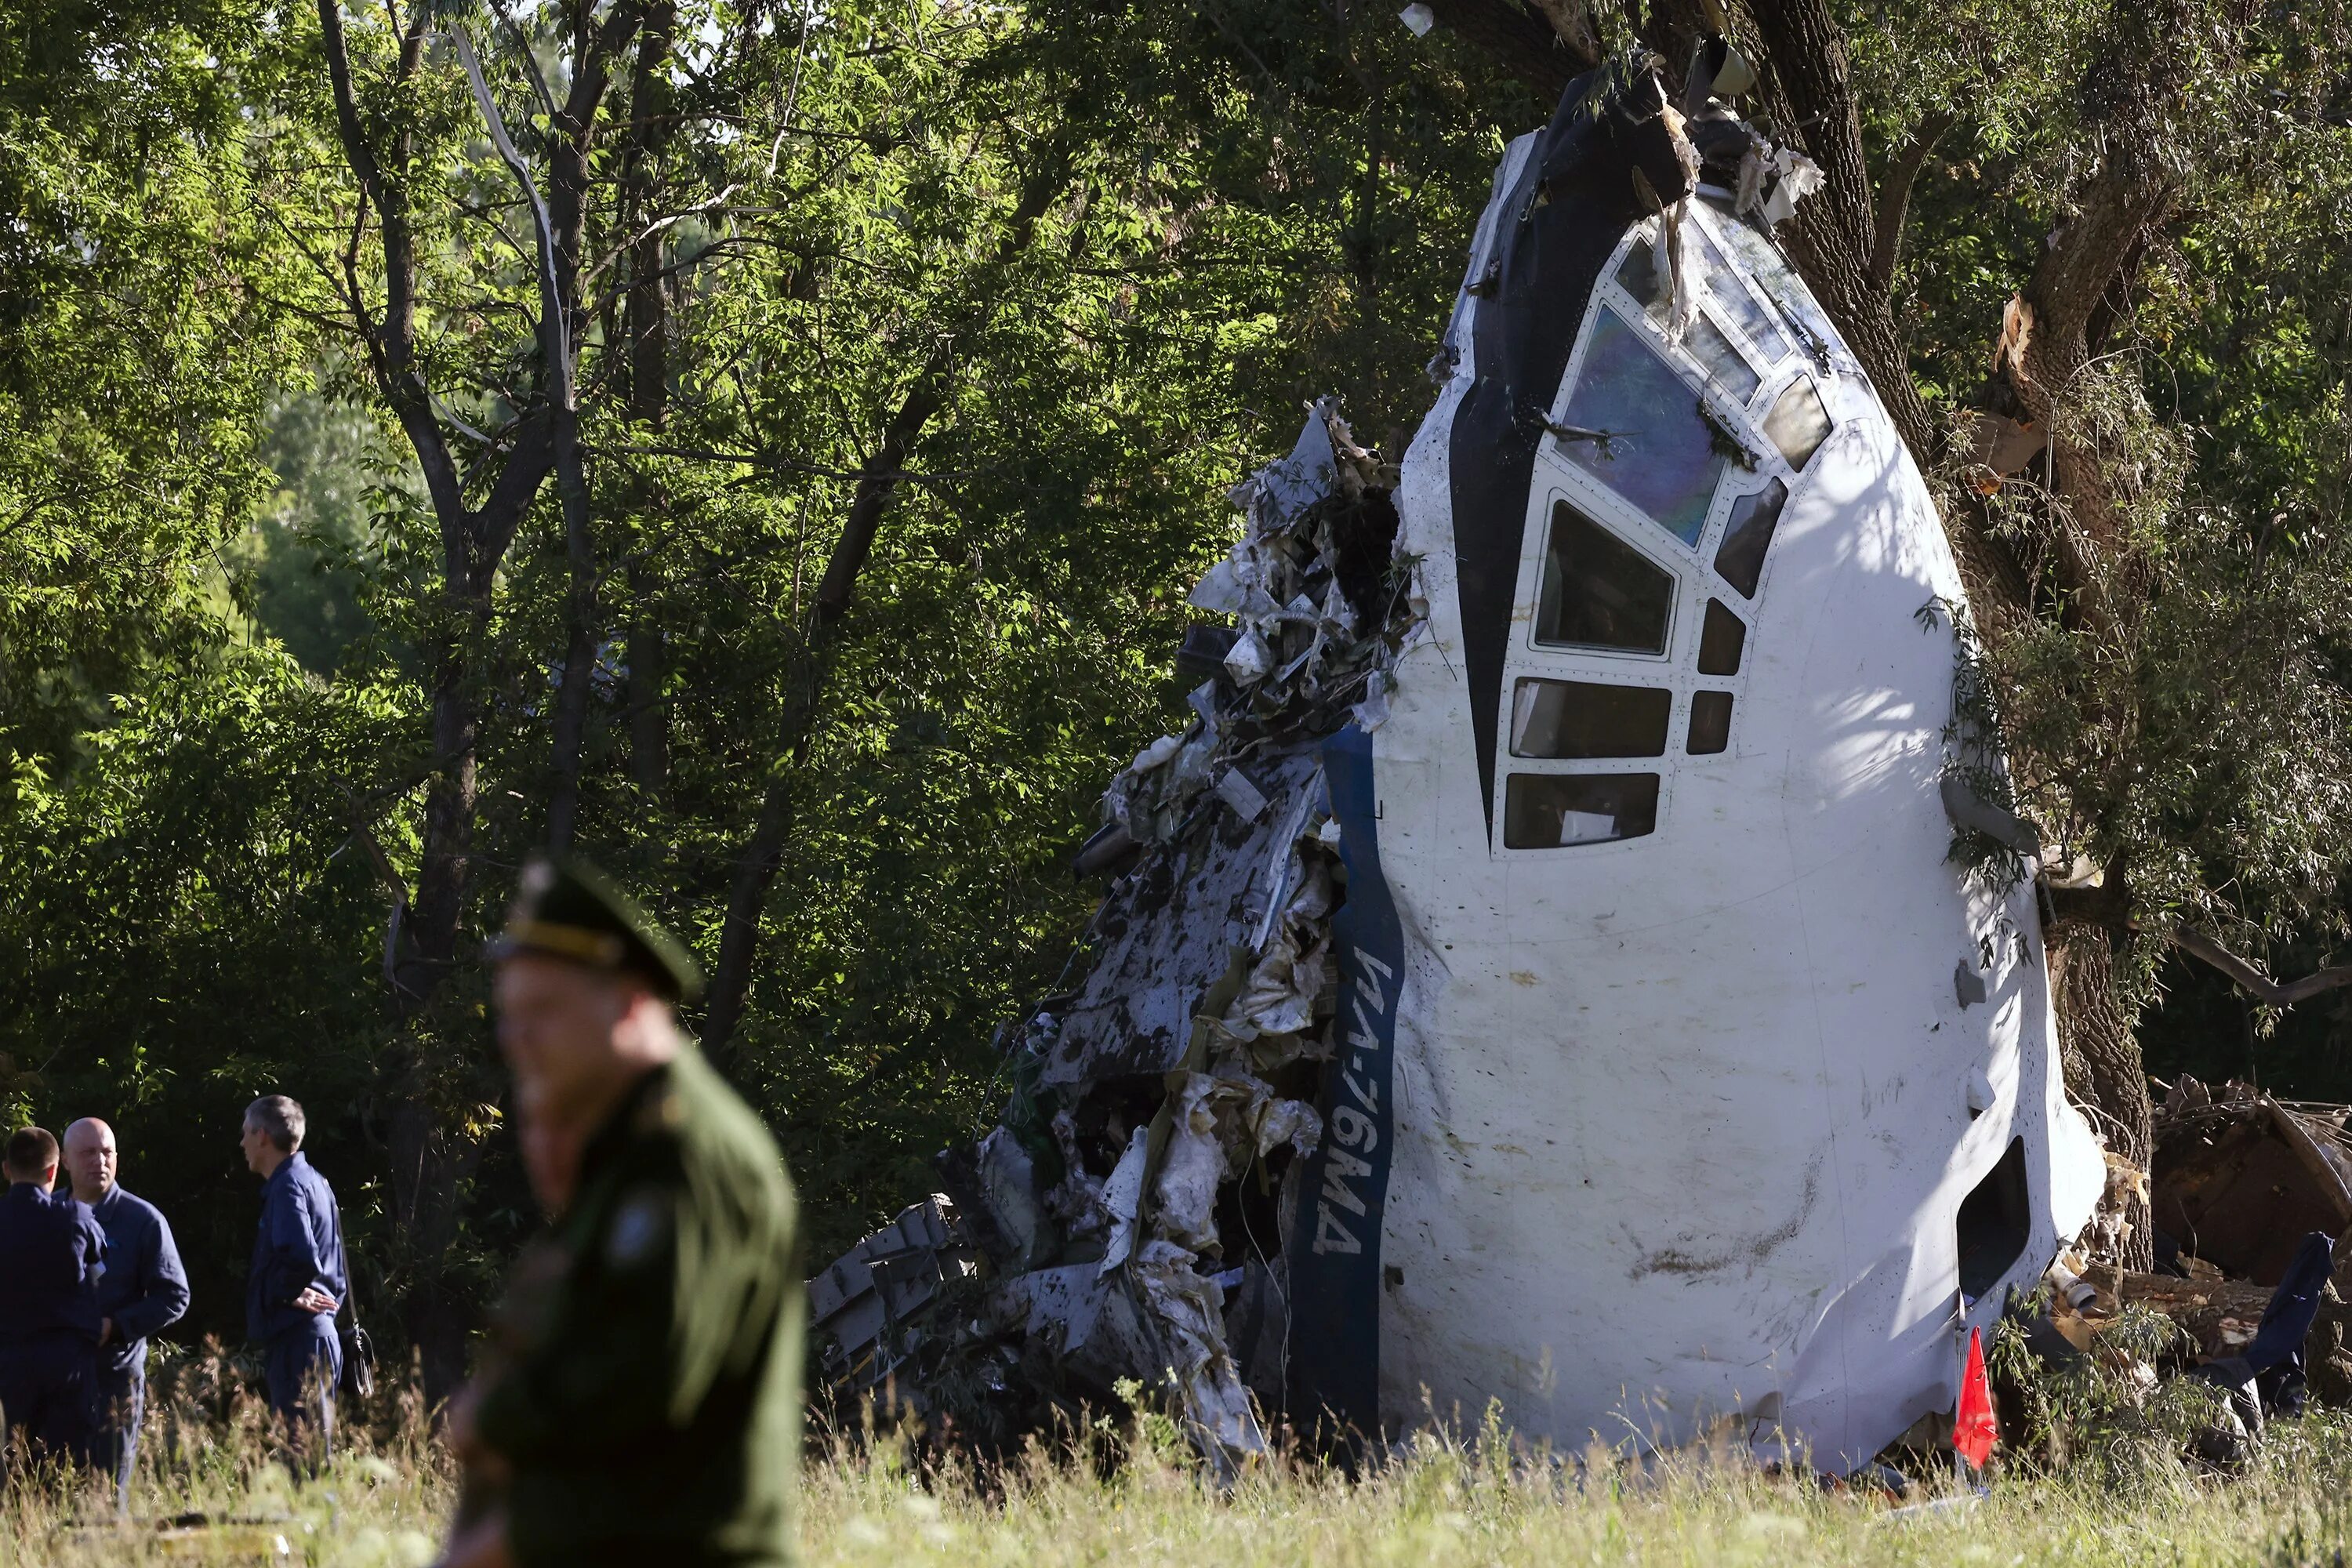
x=294, y=1267
x=163, y=1289
x=90, y=1247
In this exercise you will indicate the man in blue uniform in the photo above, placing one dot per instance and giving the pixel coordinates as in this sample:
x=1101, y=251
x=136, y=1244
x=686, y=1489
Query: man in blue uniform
x=52, y=1255
x=298, y=1277
x=145, y=1292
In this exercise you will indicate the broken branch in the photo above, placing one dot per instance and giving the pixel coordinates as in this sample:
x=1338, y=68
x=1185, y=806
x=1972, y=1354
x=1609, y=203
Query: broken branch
x=2250, y=977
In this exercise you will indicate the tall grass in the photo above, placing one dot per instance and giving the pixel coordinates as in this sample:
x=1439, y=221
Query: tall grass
x=1132, y=1492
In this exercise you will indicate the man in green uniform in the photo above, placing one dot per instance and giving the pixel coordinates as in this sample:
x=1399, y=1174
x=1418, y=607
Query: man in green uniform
x=640, y=1399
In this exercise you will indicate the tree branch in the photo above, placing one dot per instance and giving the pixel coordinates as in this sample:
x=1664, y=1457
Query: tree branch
x=877, y=480
x=2250, y=977
x=394, y=342
x=1527, y=45
x=1895, y=195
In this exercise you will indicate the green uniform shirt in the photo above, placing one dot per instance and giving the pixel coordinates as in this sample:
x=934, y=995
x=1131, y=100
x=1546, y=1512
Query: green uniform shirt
x=648, y=1399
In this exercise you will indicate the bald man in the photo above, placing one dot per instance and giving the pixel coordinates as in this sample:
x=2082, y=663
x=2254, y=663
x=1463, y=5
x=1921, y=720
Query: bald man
x=145, y=1290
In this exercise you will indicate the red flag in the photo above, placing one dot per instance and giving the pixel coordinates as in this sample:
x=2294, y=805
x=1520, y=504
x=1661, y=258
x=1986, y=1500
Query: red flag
x=1974, y=1431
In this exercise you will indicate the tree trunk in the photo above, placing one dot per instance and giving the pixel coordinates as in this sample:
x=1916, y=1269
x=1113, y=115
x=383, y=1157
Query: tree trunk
x=647, y=315
x=431, y=1160
x=2102, y=1065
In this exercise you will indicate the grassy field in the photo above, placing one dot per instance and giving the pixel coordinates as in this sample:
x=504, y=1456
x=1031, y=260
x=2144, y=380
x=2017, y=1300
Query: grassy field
x=1473, y=1502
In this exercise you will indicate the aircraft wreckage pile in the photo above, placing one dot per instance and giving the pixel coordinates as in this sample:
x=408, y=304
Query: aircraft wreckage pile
x=1129, y=1214
x=1540, y=970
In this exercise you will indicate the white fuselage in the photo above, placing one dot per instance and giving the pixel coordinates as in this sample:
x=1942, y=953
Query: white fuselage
x=1684, y=1119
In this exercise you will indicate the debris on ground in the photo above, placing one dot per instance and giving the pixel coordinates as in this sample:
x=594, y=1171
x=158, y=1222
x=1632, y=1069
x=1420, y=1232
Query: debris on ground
x=1129, y=1211
x=2248, y=1193
x=2243, y=1176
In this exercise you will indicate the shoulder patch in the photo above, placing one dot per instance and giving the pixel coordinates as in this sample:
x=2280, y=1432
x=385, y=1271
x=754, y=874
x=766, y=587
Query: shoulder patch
x=640, y=1226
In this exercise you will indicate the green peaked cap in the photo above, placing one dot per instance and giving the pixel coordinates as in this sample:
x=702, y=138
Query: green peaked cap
x=566, y=908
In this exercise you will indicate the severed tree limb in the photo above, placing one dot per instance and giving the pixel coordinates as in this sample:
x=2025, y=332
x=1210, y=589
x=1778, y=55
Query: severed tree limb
x=2108, y=907
x=2250, y=977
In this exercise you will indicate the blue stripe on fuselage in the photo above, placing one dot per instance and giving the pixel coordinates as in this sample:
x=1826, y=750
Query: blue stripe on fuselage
x=1335, y=1259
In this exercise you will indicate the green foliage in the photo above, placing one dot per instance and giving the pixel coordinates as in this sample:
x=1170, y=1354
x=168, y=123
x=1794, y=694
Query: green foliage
x=223, y=604
x=2184, y=719
x=222, y=607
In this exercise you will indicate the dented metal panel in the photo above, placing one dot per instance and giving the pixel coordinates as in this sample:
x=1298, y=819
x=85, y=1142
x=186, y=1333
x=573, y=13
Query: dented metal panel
x=1171, y=930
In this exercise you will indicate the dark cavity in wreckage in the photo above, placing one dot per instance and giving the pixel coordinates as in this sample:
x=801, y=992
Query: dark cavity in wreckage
x=1539, y=972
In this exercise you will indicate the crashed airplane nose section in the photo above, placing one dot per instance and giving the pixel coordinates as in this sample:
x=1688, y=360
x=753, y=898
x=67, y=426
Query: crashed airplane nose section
x=1538, y=973
x=1694, y=1081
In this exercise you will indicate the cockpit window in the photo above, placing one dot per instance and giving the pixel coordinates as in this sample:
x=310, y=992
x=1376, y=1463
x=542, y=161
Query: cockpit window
x=1740, y=559
x=1638, y=274
x=1549, y=811
x=1647, y=440
x=1722, y=638
x=1587, y=719
x=1724, y=285
x=1798, y=424
x=1599, y=592
x=1775, y=277
x=1710, y=724
x=1726, y=364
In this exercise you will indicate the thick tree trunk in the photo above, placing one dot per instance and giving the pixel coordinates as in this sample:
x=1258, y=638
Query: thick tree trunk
x=2102, y=1063
x=432, y=1161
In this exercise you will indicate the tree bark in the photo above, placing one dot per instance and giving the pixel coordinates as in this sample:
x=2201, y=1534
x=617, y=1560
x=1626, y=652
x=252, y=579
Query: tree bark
x=430, y=1161
x=646, y=324
x=2102, y=1063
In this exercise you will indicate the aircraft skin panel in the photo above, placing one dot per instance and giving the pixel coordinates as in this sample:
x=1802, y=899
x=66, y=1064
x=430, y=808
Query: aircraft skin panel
x=1682, y=1122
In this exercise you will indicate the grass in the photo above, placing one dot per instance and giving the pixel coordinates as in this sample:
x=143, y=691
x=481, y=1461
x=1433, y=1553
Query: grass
x=2122, y=1499
x=1477, y=1503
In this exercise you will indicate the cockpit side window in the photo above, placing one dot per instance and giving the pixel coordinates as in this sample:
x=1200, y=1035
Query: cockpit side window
x=1798, y=423
x=1588, y=718
x=1748, y=536
x=1599, y=592
x=1722, y=638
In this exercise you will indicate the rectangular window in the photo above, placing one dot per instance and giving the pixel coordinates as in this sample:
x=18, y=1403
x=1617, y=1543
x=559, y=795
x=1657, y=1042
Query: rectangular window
x=1652, y=445
x=1586, y=719
x=1599, y=591
x=1726, y=364
x=1710, y=724
x=1724, y=283
x=1552, y=811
